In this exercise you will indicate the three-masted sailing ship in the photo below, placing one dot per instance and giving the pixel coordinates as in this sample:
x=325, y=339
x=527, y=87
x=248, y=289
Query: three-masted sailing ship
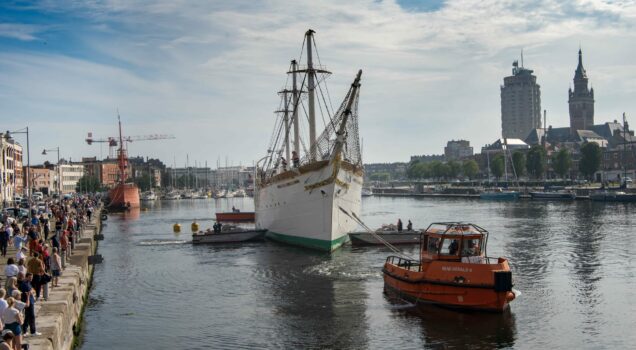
x=307, y=186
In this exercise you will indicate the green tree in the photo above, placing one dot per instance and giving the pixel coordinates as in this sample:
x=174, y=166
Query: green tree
x=519, y=163
x=454, y=169
x=470, y=168
x=88, y=184
x=439, y=170
x=145, y=182
x=380, y=176
x=411, y=171
x=535, y=162
x=423, y=170
x=497, y=166
x=590, y=159
x=561, y=162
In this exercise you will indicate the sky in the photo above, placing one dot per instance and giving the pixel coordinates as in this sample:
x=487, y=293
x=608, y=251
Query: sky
x=208, y=72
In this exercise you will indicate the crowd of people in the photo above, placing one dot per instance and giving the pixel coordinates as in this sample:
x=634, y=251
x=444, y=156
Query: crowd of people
x=43, y=244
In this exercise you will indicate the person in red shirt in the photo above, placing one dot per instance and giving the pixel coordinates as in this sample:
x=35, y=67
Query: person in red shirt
x=64, y=246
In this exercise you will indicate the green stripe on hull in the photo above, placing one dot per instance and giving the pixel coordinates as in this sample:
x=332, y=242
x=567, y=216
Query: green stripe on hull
x=311, y=243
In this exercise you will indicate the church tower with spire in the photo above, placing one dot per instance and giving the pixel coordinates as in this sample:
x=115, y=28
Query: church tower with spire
x=581, y=100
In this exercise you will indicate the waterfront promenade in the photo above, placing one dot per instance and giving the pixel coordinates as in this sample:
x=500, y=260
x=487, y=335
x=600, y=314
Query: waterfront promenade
x=59, y=318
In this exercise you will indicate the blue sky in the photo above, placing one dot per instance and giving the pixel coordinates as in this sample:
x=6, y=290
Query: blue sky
x=208, y=72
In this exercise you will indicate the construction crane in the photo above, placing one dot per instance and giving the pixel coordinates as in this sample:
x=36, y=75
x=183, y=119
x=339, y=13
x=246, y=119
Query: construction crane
x=113, y=142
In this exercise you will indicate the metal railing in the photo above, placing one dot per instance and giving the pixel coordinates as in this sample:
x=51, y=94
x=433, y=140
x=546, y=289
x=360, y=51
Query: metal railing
x=408, y=264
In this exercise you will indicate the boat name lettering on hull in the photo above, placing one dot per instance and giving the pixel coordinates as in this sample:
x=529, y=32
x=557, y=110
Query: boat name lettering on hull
x=456, y=269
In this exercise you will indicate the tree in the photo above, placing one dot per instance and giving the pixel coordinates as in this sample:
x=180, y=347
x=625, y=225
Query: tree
x=497, y=166
x=439, y=170
x=380, y=177
x=423, y=170
x=519, y=163
x=454, y=168
x=561, y=162
x=535, y=162
x=590, y=159
x=88, y=184
x=411, y=172
x=470, y=168
x=145, y=182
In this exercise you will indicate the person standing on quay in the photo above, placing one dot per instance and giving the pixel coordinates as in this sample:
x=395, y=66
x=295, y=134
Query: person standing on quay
x=27, y=297
x=56, y=266
x=13, y=320
x=399, y=225
x=4, y=240
x=35, y=267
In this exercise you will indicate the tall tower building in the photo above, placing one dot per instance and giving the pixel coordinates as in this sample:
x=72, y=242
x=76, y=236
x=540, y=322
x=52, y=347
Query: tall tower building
x=581, y=100
x=520, y=103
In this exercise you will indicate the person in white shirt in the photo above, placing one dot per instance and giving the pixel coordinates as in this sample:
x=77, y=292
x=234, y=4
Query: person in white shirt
x=3, y=305
x=11, y=270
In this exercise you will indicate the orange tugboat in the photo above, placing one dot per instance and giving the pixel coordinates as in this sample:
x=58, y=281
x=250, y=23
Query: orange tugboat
x=453, y=270
x=124, y=195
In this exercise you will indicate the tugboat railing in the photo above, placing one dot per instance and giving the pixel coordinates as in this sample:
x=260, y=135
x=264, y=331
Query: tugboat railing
x=408, y=264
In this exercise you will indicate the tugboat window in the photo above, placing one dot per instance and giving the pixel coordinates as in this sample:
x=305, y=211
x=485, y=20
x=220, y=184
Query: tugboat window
x=432, y=245
x=450, y=247
x=471, y=247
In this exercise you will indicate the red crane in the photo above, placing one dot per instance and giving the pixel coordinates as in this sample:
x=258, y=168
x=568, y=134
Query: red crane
x=122, y=157
x=113, y=142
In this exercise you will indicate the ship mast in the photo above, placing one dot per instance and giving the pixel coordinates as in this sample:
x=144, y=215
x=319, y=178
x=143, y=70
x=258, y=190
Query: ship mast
x=310, y=90
x=122, y=157
x=295, y=94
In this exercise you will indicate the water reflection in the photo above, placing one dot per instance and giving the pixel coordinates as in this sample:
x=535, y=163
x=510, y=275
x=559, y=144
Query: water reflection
x=317, y=299
x=443, y=328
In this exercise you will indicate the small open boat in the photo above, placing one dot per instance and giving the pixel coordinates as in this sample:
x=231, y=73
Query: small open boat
x=393, y=237
x=247, y=216
x=453, y=270
x=231, y=234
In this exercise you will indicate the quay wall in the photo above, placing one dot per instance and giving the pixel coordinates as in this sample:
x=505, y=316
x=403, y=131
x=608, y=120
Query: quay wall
x=59, y=318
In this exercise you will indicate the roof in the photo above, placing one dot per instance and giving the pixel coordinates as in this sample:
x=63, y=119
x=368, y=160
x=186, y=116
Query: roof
x=510, y=143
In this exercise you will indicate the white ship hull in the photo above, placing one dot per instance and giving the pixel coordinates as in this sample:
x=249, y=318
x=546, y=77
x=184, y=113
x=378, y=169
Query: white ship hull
x=310, y=217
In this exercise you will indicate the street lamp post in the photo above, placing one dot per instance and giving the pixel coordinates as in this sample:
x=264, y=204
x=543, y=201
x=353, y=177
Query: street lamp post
x=8, y=136
x=59, y=172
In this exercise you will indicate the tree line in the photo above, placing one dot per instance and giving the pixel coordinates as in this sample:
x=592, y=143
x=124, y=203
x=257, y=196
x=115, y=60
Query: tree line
x=534, y=164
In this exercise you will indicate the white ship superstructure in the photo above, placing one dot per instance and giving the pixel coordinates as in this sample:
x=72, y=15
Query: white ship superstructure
x=305, y=196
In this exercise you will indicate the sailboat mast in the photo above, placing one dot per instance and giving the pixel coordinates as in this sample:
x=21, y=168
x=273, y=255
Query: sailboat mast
x=624, y=149
x=310, y=90
x=122, y=165
x=295, y=94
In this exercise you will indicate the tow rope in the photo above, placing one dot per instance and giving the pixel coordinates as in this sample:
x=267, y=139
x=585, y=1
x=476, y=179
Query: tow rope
x=382, y=240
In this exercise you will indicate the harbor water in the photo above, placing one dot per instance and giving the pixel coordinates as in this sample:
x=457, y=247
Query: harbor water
x=572, y=261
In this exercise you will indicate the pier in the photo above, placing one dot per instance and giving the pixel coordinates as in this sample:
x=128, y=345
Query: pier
x=59, y=318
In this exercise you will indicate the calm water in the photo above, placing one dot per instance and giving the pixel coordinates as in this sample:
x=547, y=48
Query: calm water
x=573, y=262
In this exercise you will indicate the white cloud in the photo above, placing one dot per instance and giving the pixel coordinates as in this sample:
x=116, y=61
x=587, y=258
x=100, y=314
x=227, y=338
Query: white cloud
x=209, y=72
x=18, y=31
